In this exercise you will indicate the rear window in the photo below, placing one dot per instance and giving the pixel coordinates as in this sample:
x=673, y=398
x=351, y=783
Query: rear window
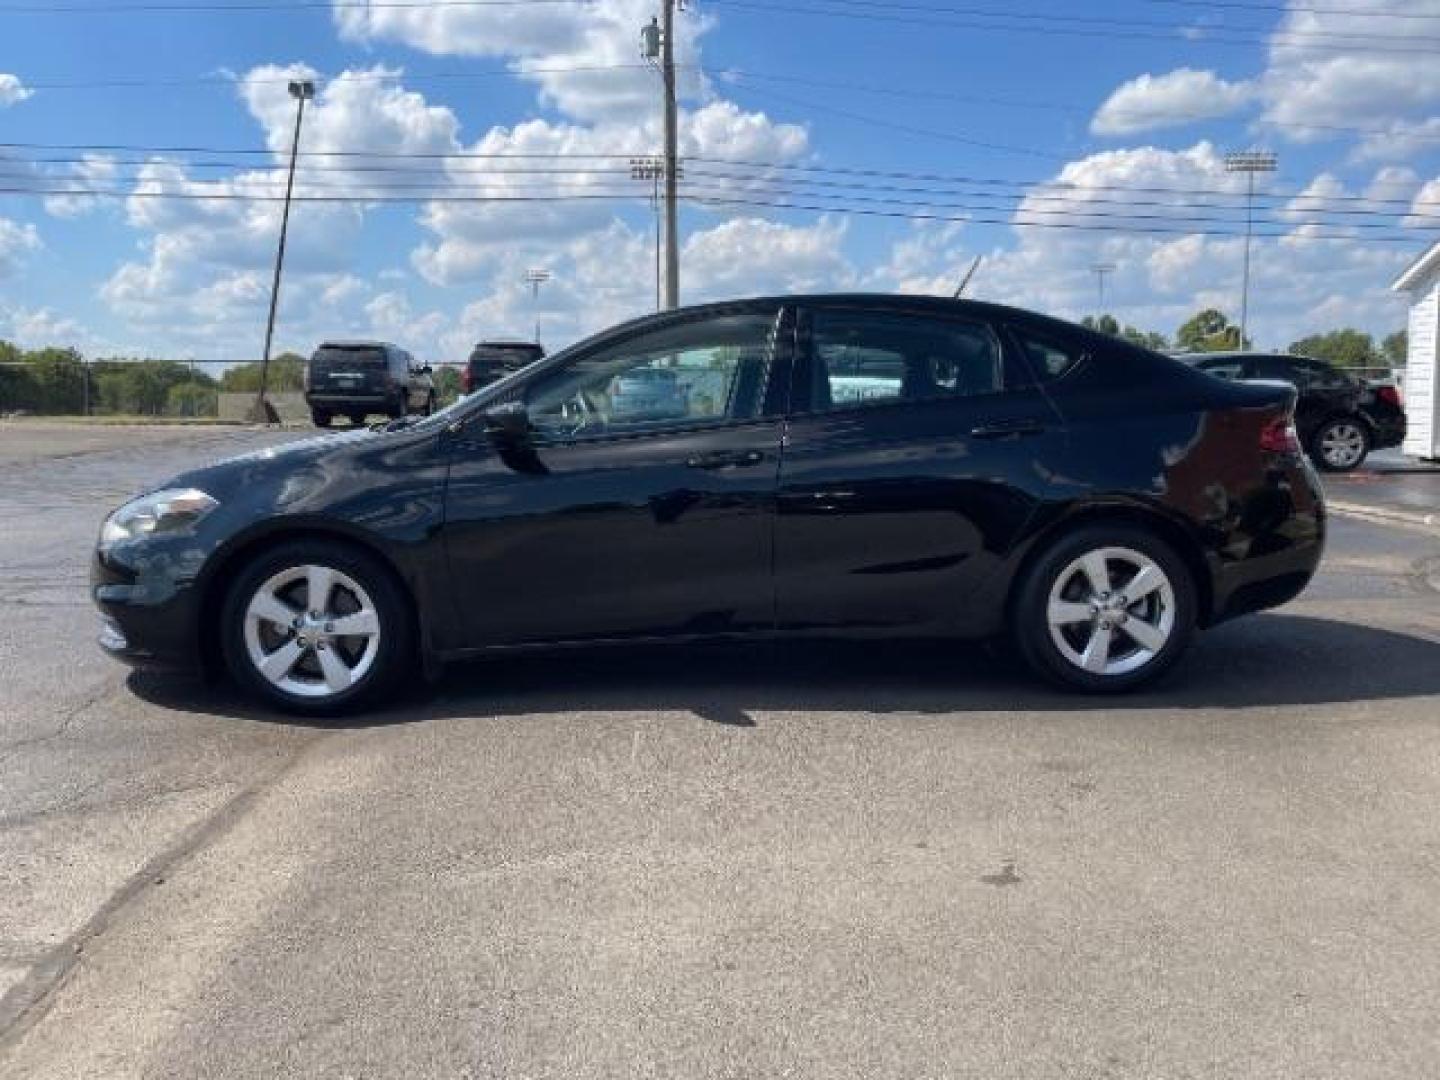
x=1049, y=358
x=329, y=359
x=507, y=356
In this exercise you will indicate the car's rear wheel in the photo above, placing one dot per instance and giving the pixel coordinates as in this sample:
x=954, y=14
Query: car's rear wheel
x=316, y=627
x=321, y=417
x=1105, y=609
x=1341, y=444
x=357, y=419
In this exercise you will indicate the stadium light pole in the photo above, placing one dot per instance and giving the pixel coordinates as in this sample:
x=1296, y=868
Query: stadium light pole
x=1249, y=162
x=1100, y=270
x=536, y=278
x=302, y=90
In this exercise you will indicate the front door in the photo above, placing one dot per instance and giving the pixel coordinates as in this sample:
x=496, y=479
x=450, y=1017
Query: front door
x=642, y=504
x=919, y=449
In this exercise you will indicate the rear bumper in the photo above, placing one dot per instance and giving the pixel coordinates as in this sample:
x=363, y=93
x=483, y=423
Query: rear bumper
x=1276, y=547
x=341, y=402
x=1387, y=432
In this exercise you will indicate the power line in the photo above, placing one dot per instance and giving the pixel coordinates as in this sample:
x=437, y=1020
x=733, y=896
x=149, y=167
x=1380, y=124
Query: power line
x=1024, y=216
x=1234, y=5
x=1182, y=34
x=449, y=183
x=557, y=156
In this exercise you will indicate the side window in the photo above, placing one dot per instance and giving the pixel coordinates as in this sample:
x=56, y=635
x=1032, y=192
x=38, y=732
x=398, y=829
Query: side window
x=1320, y=376
x=859, y=358
x=704, y=372
x=1283, y=369
x=1049, y=358
x=1225, y=369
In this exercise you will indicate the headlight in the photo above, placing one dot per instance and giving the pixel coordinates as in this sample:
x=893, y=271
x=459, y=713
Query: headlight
x=171, y=510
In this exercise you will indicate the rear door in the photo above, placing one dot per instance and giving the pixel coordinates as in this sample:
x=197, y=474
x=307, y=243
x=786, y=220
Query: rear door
x=914, y=456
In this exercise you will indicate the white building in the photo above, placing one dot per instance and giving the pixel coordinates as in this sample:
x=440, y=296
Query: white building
x=1422, y=373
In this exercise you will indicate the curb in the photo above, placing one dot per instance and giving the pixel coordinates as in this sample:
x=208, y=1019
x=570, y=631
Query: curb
x=1385, y=515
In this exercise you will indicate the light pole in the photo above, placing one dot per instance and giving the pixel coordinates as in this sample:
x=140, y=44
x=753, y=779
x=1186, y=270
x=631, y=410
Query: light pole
x=301, y=90
x=1249, y=162
x=1100, y=270
x=536, y=278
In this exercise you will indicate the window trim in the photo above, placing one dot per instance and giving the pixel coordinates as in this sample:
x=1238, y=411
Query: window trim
x=1014, y=333
x=802, y=369
x=773, y=361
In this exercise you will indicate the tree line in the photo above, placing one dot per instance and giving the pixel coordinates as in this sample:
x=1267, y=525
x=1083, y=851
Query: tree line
x=60, y=382
x=1212, y=331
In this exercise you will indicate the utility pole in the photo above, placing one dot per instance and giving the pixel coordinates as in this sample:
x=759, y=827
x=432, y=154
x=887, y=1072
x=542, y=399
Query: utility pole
x=536, y=278
x=1100, y=270
x=1249, y=163
x=652, y=169
x=264, y=412
x=660, y=38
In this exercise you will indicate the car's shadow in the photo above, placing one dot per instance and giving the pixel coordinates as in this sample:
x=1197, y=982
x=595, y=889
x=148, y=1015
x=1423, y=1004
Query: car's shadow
x=1267, y=660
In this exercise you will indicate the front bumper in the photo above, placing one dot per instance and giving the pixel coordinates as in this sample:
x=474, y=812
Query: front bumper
x=149, y=616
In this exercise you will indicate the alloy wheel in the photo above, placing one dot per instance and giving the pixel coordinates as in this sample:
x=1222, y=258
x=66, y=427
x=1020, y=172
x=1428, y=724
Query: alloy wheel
x=1342, y=444
x=1111, y=611
x=312, y=631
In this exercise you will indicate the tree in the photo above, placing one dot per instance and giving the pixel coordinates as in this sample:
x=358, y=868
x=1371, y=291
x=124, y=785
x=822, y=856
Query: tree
x=59, y=376
x=1396, y=348
x=447, y=384
x=1343, y=348
x=192, y=399
x=287, y=374
x=1209, y=331
x=1146, y=339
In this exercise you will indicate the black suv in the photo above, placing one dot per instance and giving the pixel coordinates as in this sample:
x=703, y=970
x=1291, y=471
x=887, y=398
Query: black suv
x=491, y=361
x=1340, y=418
x=357, y=378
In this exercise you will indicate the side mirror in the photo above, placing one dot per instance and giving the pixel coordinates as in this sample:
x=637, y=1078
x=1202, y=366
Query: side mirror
x=508, y=424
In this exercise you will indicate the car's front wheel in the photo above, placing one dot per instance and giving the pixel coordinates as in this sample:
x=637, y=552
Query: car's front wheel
x=1105, y=609
x=1341, y=444
x=316, y=627
x=321, y=417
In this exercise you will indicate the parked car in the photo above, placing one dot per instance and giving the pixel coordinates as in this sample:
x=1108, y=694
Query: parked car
x=493, y=360
x=648, y=394
x=358, y=378
x=1093, y=500
x=1340, y=418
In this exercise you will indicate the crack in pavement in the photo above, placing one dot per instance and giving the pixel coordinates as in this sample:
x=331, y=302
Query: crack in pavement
x=27, y=1003
x=9, y=750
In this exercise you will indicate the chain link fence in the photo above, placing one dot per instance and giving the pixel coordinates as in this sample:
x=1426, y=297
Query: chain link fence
x=61, y=383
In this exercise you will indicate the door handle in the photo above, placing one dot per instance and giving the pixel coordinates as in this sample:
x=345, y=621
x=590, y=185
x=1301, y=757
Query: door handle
x=1007, y=429
x=725, y=459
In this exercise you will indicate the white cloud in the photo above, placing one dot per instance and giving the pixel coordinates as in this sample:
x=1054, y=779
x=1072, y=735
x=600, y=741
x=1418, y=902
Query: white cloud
x=1309, y=81
x=92, y=170
x=584, y=57
x=12, y=90
x=1299, y=284
x=1178, y=97
x=17, y=239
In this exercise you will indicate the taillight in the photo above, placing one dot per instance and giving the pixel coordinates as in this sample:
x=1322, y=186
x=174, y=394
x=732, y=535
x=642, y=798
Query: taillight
x=1390, y=395
x=1280, y=437
x=465, y=379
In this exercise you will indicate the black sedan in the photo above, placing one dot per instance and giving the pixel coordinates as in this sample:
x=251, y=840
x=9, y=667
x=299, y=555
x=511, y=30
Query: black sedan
x=1340, y=418
x=857, y=466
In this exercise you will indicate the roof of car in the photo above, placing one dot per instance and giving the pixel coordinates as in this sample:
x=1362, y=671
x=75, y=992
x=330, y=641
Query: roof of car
x=1237, y=354
x=357, y=344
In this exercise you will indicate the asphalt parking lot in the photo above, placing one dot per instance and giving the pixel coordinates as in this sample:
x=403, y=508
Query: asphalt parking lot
x=896, y=861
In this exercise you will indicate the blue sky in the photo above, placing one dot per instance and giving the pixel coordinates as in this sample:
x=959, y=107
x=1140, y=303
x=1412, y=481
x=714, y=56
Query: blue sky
x=961, y=126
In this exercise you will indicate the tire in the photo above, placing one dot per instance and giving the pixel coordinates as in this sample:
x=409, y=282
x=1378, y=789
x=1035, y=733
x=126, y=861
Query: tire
x=313, y=669
x=1057, y=644
x=1340, y=444
x=321, y=417
x=430, y=405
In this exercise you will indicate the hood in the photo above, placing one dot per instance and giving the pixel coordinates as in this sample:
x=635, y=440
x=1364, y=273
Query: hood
x=273, y=462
